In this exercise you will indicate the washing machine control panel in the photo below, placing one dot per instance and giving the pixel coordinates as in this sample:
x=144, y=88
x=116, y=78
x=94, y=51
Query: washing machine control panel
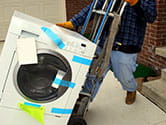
x=76, y=47
x=75, y=42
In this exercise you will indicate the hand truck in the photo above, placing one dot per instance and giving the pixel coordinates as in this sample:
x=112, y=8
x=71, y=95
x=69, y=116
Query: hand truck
x=111, y=9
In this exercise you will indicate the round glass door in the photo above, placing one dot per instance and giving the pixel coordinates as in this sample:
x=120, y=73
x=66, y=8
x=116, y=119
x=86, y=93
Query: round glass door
x=35, y=81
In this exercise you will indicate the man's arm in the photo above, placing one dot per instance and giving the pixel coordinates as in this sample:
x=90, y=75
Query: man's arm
x=78, y=19
x=146, y=10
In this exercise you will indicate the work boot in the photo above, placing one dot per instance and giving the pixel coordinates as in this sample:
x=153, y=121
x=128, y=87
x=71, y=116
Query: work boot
x=130, y=97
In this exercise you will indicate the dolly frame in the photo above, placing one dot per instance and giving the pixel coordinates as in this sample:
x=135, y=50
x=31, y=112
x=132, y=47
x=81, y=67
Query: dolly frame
x=101, y=62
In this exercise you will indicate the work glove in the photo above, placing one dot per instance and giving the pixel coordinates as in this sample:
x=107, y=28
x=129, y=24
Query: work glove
x=132, y=2
x=67, y=25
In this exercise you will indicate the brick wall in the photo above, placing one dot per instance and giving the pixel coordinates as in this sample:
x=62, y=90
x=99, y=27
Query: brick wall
x=74, y=6
x=155, y=35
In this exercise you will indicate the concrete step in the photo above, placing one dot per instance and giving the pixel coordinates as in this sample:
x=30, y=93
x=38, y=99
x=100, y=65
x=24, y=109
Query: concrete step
x=156, y=91
x=163, y=75
x=161, y=51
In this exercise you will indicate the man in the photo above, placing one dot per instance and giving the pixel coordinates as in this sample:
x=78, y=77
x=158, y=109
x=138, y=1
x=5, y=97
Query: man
x=128, y=41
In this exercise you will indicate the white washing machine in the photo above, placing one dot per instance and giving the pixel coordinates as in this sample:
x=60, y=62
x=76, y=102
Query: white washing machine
x=32, y=84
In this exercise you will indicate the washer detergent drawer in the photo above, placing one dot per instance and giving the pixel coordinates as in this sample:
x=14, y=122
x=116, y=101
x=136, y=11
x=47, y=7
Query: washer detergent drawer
x=34, y=83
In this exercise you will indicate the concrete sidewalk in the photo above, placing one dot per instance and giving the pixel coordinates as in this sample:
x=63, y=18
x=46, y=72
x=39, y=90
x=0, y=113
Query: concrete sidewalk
x=109, y=107
x=1, y=45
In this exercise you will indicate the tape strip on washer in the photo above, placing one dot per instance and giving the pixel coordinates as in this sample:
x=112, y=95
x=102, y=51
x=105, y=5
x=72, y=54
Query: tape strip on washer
x=82, y=60
x=53, y=37
x=61, y=111
x=31, y=104
x=64, y=83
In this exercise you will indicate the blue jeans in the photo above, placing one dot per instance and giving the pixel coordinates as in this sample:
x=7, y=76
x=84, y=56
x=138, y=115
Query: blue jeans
x=123, y=66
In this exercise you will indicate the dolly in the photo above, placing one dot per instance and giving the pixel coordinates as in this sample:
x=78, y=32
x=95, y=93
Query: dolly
x=111, y=9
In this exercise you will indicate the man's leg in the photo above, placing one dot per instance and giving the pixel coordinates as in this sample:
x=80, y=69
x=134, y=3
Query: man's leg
x=92, y=84
x=124, y=65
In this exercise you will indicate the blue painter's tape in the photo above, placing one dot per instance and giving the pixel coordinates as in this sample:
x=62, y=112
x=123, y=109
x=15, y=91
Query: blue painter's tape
x=64, y=83
x=81, y=60
x=61, y=111
x=54, y=37
x=31, y=104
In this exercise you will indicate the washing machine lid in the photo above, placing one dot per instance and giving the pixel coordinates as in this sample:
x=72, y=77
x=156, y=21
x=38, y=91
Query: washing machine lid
x=35, y=81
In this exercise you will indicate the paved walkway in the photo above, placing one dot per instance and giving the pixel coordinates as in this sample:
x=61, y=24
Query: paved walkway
x=1, y=45
x=109, y=107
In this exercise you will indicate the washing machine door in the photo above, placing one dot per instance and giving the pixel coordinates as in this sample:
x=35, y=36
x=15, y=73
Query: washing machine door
x=34, y=81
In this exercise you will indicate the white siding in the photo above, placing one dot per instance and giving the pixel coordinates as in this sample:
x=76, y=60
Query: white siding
x=53, y=11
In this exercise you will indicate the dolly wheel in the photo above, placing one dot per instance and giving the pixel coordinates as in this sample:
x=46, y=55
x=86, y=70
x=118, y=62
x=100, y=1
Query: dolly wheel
x=77, y=121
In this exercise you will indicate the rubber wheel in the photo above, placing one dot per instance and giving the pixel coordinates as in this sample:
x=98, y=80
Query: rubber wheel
x=77, y=121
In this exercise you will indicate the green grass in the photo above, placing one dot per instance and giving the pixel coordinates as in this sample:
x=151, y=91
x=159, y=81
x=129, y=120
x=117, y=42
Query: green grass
x=143, y=71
